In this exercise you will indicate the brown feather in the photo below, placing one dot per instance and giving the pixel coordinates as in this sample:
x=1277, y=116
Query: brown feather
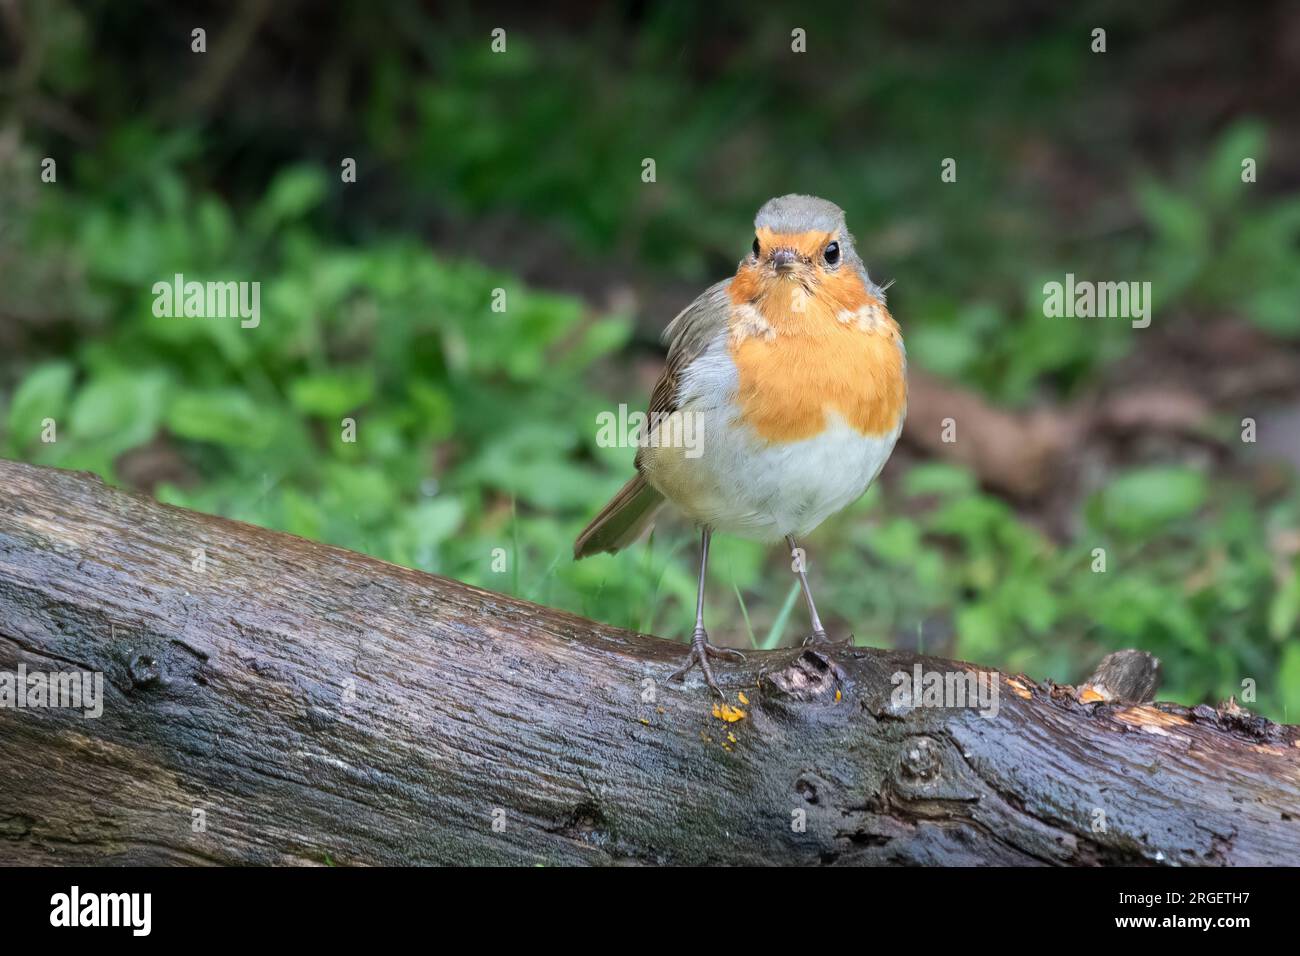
x=621, y=521
x=630, y=511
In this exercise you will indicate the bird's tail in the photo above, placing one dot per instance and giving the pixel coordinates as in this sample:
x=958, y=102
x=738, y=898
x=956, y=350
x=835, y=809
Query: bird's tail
x=621, y=521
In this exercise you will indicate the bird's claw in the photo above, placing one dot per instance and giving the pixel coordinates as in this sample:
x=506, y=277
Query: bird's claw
x=700, y=652
x=819, y=638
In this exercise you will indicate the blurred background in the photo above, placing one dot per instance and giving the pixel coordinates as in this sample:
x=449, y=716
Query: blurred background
x=476, y=453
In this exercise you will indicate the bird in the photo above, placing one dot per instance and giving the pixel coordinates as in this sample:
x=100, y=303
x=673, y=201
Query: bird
x=790, y=381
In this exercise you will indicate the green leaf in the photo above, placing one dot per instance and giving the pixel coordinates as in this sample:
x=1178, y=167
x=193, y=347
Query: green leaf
x=422, y=528
x=43, y=394
x=431, y=522
x=1177, y=220
x=601, y=338
x=214, y=225
x=1033, y=603
x=1273, y=308
x=303, y=514
x=433, y=409
x=533, y=463
x=222, y=416
x=937, y=478
x=949, y=351
x=1284, y=609
x=123, y=409
x=1223, y=170
x=978, y=632
x=897, y=541
x=291, y=195
x=1145, y=500
x=330, y=394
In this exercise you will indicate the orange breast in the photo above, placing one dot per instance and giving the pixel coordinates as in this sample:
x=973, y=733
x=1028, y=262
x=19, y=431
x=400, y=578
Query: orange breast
x=800, y=357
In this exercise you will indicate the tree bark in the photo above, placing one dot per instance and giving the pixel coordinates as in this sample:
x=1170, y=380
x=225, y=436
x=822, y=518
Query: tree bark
x=296, y=703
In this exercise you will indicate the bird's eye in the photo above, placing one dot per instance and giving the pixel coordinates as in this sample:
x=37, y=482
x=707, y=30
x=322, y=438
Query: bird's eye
x=832, y=254
x=757, y=248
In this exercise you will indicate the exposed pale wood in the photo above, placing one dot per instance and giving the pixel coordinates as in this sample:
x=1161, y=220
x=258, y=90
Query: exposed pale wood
x=320, y=705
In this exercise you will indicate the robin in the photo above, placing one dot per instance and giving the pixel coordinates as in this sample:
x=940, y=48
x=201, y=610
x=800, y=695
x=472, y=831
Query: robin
x=790, y=377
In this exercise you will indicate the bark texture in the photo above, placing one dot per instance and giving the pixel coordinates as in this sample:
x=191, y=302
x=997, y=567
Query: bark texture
x=309, y=705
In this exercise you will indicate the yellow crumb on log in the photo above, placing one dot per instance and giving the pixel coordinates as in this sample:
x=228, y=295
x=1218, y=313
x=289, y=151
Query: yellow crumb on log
x=740, y=695
x=728, y=713
x=731, y=737
x=1020, y=689
x=838, y=695
x=644, y=721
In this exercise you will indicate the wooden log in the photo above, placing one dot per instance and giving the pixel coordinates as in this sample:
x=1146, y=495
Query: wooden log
x=295, y=703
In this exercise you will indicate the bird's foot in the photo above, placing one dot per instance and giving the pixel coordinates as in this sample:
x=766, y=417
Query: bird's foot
x=701, y=651
x=819, y=639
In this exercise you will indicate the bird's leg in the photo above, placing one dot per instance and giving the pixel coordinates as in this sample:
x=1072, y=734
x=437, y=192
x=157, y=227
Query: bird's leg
x=818, y=635
x=701, y=649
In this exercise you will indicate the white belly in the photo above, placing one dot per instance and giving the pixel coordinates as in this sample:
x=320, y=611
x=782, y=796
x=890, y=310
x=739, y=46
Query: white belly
x=737, y=483
x=745, y=487
x=742, y=485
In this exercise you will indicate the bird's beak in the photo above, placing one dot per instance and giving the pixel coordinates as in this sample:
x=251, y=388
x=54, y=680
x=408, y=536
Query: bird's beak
x=784, y=260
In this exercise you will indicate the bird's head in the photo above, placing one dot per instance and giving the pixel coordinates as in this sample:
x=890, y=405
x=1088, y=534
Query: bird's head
x=800, y=239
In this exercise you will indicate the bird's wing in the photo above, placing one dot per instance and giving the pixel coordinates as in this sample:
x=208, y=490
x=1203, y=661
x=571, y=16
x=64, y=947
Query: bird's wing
x=633, y=509
x=687, y=336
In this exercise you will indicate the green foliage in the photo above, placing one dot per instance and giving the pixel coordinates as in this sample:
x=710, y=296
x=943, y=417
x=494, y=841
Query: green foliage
x=1141, y=502
x=42, y=395
x=401, y=343
x=1217, y=246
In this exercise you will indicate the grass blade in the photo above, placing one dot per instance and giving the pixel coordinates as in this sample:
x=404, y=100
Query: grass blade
x=777, y=630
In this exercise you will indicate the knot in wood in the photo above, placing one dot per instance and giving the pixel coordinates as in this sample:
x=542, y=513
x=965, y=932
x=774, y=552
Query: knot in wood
x=810, y=676
x=145, y=671
x=920, y=759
